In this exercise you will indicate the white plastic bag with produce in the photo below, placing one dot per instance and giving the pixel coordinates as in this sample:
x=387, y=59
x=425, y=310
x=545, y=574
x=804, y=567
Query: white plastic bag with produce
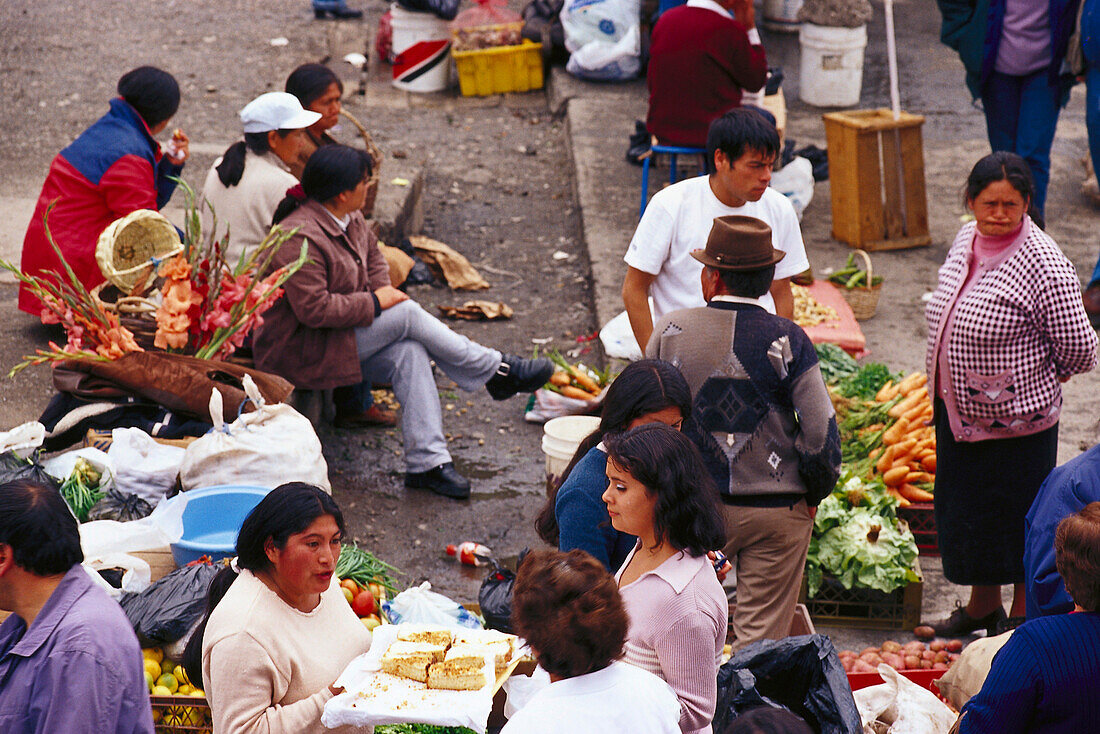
x=603, y=38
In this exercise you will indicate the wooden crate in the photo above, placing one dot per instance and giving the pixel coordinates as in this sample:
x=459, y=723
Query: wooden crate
x=876, y=173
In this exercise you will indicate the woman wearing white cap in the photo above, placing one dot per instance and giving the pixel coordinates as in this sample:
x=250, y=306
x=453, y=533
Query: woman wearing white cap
x=250, y=179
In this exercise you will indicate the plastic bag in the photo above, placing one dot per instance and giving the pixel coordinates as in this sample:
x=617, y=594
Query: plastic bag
x=14, y=466
x=445, y=9
x=618, y=338
x=487, y=25
x=965, y=677
x=165, y=611
x=495, y=598
x=62, y=465
x=142, y=466
x=546, y=404
x=801, y=674
x=120, y=507
x=900, y=706
x=421, y=605
x=23, y=439
x=270, y=446
x=603, y=38
x=796, y=181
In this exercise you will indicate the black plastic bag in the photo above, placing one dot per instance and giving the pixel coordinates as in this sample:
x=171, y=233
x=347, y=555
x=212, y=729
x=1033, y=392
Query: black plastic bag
x=165, y=611
x=119, y=506
x=801, y=674
x=495, y=596
x=445, y=9
x=13, y=466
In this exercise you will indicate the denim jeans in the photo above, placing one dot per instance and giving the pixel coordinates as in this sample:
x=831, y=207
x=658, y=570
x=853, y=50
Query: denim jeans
x=1021, y=114
x=1092, y=121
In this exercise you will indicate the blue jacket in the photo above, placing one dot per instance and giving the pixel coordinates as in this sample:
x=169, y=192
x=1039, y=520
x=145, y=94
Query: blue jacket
x=1068, y=489
x=1043, y=681
x=582, y=516
x=973, y=29
x=1090, y=31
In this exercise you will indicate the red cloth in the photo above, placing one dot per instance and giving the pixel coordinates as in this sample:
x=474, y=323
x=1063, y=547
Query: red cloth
x=844, y=330
x=699, y=62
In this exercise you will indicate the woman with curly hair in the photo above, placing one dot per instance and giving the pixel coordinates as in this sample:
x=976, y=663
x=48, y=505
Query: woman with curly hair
x=659, y=491
x=569, y=610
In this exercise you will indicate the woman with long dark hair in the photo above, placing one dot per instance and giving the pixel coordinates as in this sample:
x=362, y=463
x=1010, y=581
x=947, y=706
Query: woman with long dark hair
x=319, y=90
x=278, y=630
x=1006, y=326
x=341, y=322
x=575, y=515
x=245, y=185
x=660, y=492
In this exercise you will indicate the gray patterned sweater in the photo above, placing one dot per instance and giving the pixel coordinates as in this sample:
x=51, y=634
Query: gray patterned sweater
x=761, y=415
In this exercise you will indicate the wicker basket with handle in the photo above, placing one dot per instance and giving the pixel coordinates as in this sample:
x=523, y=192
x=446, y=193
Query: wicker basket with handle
x=863, y=299
x=136, y=313
x=376, y=159
x=129, y=249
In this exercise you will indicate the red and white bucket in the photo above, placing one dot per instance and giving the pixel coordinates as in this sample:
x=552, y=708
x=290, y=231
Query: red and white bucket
x=422, y=51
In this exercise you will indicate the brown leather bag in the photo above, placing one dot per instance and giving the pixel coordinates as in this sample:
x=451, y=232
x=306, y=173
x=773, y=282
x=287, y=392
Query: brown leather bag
x=177, y=382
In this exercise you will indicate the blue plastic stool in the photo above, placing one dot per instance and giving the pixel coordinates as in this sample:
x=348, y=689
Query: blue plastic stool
x=673, y=151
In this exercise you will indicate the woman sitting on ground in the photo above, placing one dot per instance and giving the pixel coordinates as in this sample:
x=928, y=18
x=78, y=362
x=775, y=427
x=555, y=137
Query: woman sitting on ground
x=1044, y=678
x=569, y=610
x=247, y=183
x=319, y=90
x=340, y=321
x=659, y=491
x=575, y=515
x=278, y=633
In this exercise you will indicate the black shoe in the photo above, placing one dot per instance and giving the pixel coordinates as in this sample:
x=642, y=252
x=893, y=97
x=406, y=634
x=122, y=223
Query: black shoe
x=442, y=480
x=336, y=11
x=960, y=623
x=1008, y=623
x=516, y=374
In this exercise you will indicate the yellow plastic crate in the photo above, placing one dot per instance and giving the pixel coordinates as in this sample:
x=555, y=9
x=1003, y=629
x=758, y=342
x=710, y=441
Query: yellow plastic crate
x=502, y=69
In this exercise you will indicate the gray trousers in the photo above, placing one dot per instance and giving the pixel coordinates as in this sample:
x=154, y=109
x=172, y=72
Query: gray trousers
x=398, y=348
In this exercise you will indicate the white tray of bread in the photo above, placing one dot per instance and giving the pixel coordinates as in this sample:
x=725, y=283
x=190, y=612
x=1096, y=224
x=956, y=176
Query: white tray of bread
x=426, y=675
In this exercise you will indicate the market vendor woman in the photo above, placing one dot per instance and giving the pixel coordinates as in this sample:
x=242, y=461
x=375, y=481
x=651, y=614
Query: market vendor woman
x=115, y=167
x=1006, y=326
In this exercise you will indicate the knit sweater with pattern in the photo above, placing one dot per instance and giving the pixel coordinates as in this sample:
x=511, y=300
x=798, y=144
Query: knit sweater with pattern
x=761, y=415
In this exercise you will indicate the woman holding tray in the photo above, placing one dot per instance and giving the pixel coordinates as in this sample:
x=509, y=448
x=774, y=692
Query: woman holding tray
x=278, y=629
x=659, y=491
x=1006, y=326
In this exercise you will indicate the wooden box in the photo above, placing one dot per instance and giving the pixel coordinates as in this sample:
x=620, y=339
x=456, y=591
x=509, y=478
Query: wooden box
x=876, y=170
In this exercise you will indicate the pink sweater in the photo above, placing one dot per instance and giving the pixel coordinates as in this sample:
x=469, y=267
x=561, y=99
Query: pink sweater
x=678, y=614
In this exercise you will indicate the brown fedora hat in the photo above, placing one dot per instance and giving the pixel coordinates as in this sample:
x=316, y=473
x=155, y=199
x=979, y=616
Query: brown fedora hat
x=739, y=243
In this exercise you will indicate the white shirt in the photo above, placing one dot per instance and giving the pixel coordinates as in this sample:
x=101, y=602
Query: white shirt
x=752, y=33
x=678, y=220
x=247, y=208
x=619, y=698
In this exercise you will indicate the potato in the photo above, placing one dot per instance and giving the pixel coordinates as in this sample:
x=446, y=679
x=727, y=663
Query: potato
x=866, y=650
x=926, y=664
x=952, y=656
x=914, y=646
x=924, y=632
x=848, y=663
x=891, y=646
x=939, y=666
x=894, y=660
x=928, y=655
x=954, y=645
x=937, y=645
x=860, y=666
x=871, y=658
x=941, y=657
x=912, y=662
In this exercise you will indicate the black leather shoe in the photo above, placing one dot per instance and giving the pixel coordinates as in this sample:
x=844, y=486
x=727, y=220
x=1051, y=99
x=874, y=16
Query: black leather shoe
x=960, y=623
x=516, y=374
x=336, y=11
x=443, y=479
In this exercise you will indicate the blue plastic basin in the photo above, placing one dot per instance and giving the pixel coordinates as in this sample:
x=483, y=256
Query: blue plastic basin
x=212, y=519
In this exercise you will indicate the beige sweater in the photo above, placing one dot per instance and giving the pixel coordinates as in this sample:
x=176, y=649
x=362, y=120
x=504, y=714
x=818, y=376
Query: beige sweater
x=267, y=666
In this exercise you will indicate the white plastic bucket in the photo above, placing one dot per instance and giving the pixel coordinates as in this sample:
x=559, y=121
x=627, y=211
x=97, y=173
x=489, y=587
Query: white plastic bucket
x=782, y=15
x=560, y=439
x=831, y=69
x=422, y=51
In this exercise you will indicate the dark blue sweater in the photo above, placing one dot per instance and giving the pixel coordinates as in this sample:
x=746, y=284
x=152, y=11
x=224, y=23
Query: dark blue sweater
x=1043, y=681
x=583, y=521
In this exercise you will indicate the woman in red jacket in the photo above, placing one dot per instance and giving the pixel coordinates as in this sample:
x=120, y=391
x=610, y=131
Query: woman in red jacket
x=113, y=168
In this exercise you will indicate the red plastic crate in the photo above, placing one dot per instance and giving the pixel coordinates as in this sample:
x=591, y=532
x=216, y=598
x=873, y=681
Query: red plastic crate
x=922, y=522
x=922, y=678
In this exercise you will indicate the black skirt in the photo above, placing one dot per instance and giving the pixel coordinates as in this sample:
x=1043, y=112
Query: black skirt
x=983, y=491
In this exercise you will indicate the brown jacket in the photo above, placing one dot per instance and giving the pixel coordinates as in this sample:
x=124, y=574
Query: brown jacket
x=308, y=335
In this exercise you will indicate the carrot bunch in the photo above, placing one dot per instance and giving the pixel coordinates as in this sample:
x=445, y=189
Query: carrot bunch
x=907, y=457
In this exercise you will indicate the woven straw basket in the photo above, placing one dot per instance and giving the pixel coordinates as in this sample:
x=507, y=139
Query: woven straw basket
x=136, y=313
x=130, y=247
x=376, y=158
x=863, y=300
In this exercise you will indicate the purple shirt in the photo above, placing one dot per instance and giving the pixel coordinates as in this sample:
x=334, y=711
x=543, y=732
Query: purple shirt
x=1024, y=47
x=77, y=670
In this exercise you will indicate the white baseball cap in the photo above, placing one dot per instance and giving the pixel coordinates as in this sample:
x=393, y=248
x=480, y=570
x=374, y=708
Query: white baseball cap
x=276, y=111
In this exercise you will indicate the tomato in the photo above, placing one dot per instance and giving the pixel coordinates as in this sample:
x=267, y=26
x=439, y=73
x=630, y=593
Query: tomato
x=350, y=585
x=376, y=590
x=348, y=594
x=371, y=622
x=363, y=604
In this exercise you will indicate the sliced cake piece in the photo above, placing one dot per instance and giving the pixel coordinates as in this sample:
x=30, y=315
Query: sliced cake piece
x=411, y=659
x=464, y=672
x=425, y=633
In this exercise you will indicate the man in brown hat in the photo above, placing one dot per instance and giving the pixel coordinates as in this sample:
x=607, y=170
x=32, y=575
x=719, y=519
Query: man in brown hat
x=761, y=417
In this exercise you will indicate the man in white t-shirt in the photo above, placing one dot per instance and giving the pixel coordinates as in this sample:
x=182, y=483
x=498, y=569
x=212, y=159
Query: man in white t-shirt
x=743, y=146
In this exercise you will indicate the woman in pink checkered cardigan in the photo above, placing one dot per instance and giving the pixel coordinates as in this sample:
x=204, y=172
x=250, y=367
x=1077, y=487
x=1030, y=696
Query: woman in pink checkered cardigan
x=1006, y=326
